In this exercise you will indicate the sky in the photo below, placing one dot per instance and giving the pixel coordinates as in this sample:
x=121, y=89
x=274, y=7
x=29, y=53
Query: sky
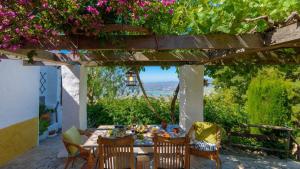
x=156, y=74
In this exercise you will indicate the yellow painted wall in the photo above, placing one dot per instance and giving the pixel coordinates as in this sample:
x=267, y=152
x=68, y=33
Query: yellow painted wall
x=17, y=139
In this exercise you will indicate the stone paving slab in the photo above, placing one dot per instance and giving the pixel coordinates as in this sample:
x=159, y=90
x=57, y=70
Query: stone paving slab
x=45, y=157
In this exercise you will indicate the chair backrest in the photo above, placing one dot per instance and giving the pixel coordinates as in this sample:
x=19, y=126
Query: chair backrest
x=116, y=153
x=73, y=136
x=209, y=132
x=171, y=153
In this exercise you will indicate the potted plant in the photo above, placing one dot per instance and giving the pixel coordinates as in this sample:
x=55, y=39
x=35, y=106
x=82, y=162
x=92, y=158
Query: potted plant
x=43, y=129
x=45, y=113
x=45, y=120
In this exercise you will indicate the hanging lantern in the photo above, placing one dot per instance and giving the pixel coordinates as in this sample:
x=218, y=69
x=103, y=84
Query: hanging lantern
x=131, y=79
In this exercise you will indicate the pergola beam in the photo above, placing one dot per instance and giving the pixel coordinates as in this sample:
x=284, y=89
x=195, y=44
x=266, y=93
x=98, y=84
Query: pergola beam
x=264, y=58
x=152, y=49
x=107, y=58
x=147, y=63
x=152, y=42
x=284, y=35
x=148, y=56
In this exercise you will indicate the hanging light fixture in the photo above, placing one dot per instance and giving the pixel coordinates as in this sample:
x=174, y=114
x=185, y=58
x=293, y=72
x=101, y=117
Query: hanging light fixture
x=131, y=78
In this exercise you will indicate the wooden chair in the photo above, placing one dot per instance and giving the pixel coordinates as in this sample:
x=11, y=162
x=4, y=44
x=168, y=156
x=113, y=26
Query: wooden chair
x=72, y=141
x=171, y=153
x=116, y=153
x=210, y=133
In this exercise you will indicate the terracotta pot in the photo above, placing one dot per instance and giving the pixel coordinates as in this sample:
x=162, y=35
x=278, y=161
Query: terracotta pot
x=176, y=130
x=46, y=117
x=52, y=132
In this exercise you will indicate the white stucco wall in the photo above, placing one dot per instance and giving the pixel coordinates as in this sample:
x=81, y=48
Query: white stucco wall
x=52, y=93
x=74, y=97
x=191, y=95
x=52, y=85
x=19, y=92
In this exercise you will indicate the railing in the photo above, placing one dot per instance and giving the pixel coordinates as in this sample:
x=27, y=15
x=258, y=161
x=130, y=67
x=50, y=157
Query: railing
x=296, y=151
x=276, y=135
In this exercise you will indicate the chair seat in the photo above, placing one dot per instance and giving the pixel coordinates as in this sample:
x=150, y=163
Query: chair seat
x=205, y=146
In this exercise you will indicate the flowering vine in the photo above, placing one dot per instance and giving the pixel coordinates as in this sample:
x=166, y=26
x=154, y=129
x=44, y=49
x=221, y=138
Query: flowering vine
x=30, y=21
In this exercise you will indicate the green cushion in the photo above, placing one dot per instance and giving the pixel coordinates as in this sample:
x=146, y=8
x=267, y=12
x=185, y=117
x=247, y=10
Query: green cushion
x=205, y=131
x=73, y=136
x=298, y=140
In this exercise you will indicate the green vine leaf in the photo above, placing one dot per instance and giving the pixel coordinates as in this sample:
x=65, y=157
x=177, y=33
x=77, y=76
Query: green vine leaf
x=30, y=56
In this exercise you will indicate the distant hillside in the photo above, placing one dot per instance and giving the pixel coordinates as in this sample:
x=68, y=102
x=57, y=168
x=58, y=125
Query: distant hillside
x=165, y=89
x=157, y=89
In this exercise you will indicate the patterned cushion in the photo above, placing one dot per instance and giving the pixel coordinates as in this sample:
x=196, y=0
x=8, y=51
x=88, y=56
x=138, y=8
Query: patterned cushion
x=205, y=146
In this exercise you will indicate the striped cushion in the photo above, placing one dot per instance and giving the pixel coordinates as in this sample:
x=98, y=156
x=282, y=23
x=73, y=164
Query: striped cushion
x=204, y=146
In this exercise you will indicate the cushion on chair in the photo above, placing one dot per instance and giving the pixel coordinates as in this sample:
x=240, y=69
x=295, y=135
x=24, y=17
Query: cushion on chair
x=204, y=146
x=72, y=135
x=205, y=131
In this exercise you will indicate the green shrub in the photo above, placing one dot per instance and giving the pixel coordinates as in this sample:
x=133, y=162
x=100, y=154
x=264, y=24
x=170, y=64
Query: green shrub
x=267, y=99
x=128, y=111
x=221, y=110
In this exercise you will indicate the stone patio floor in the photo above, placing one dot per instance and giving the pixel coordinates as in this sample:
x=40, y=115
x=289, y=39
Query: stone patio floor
x=45, y=157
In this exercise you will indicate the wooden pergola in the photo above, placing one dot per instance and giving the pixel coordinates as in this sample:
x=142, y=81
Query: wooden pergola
x=278, y=45
x=149, y=49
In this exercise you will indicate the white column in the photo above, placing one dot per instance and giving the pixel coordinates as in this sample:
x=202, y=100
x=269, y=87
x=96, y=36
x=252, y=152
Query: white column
x=191, y=95
x=74, y=97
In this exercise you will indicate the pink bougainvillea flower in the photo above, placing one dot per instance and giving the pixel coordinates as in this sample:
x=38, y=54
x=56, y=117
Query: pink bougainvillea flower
x=38, y=27
x=54, y=33
x=17, y=30
x=26, y=28
x=23, y=2
x=11, y=14
x=141, y=4
x=45, y=5
x=31, y=17
x=167, y=2
x=122, y=2
x=33, y=40
x=5, y=22
x=6, y=38
x=14, y=47
x=76, y=23
x=92, y=10
x=4, y=45
x=102, y=3
x=41, y=24
x=108, y=9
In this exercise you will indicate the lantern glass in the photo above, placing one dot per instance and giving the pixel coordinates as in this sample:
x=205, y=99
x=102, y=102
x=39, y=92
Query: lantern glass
x=131, y=79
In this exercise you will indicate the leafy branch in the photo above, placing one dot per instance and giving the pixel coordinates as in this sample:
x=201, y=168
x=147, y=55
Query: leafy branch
x=145, y=94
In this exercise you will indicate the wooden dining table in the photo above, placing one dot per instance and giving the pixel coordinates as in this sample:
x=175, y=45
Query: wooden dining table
x=141, y=146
